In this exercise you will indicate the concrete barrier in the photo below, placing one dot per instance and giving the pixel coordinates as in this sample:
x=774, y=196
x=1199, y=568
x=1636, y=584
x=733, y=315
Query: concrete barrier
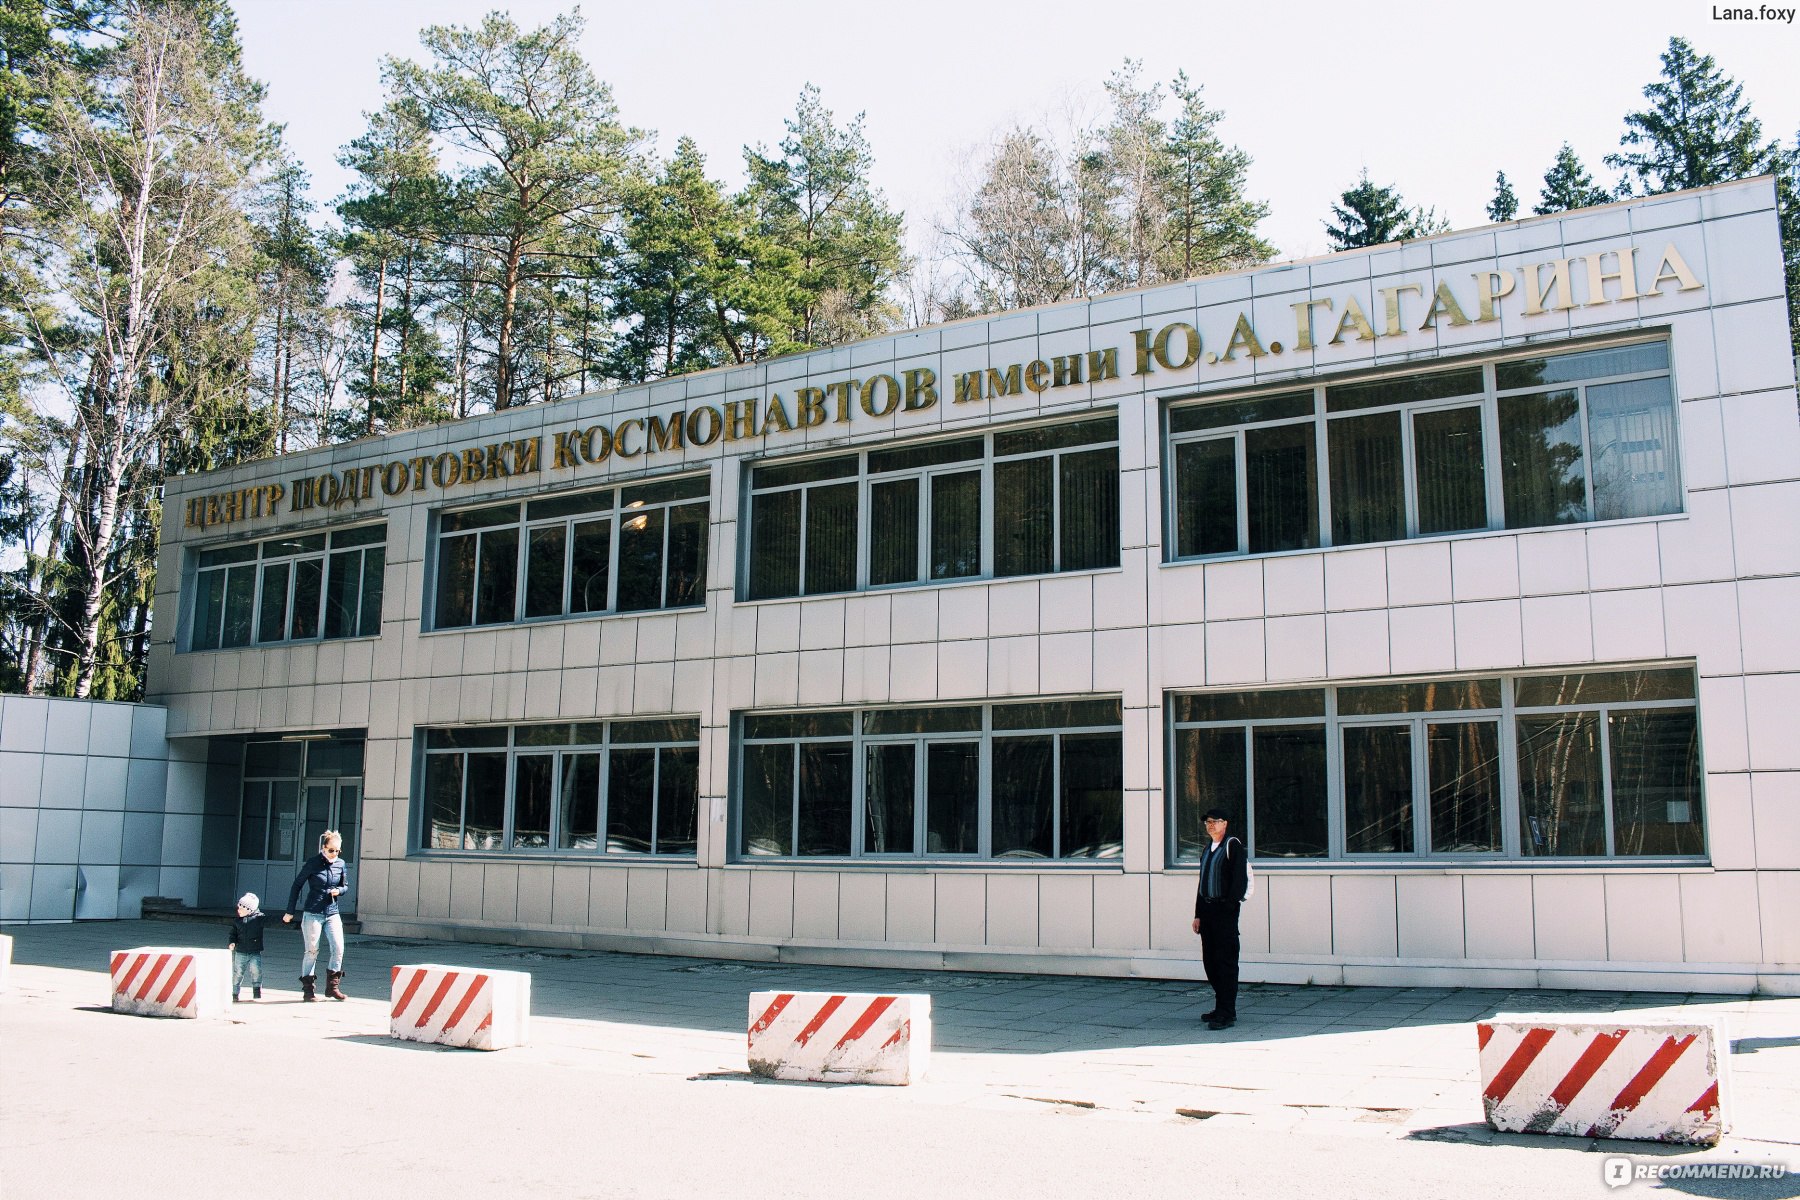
x=461, y=1006
x=1653, y=1081
x=171, y=981
x=824, y=1037
x=5, y=961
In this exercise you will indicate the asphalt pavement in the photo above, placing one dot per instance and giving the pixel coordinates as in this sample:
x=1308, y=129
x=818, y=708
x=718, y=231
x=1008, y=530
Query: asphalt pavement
x=1056, y=1068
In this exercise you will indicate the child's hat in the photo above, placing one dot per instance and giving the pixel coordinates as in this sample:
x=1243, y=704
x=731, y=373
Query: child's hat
x=247, y=900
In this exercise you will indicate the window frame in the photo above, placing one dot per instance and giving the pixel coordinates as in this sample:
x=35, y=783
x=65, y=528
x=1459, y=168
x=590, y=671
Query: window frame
x=514, y=751
x=614, y=513
x=867, y=478
x=258, y=564
x=1488, y=399
x=1505, y=716
x=859, y=741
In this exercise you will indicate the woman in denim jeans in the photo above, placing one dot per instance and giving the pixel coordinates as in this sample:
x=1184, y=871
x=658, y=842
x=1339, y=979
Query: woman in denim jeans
x=325, y=879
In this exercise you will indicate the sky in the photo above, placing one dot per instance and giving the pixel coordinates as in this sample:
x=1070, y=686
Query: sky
x=1434, y=98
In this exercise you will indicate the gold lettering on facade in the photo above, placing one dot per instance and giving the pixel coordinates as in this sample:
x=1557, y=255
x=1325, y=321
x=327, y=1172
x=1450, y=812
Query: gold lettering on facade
x=1353, y=318
x=1243, y=337
x=1674, y=267
x=1537, y=291
x=1390, y=306
x=1303, y=321
x=1490, y=287
x=809, y=406
x=921, y=388
x=618, y=437
x=886, y=383
x=706, y=418
x=1599, y=276
x=1443, y=304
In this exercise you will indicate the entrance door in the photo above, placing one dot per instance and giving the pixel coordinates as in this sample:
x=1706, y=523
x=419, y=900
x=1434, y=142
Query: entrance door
x=333, y=804
x=292, y=792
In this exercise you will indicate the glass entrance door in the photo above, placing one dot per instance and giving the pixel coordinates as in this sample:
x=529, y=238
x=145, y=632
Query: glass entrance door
x=294, y=791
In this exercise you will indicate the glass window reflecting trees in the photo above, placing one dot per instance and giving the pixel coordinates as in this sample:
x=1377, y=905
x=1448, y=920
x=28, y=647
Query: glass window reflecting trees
x=1016, y=502
x=1590, y=765
x=1513, y=444
x=624, y=549
x=1038, y=780
x=290, y=589
x=615, y=787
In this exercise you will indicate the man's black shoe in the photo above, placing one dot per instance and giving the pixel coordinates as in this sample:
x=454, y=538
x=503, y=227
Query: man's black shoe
x=1218, y=1023
x=1210, y=1016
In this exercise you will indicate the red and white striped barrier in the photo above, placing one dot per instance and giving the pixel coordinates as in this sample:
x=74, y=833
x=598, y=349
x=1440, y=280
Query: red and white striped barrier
x=460, y=1006
x=171, y=981
x=828, y=1038
x=1647, y=1081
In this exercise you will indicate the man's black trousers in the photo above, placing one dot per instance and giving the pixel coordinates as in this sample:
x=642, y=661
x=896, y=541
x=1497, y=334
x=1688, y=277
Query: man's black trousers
x=1219, y=951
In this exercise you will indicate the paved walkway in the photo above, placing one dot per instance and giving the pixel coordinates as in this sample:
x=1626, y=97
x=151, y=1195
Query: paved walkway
x=1388, y=1062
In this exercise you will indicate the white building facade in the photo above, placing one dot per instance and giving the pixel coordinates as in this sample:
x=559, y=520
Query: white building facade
x=1461, y=572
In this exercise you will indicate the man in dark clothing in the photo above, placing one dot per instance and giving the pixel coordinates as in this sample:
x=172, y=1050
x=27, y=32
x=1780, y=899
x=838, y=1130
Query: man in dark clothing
x=1224, y=881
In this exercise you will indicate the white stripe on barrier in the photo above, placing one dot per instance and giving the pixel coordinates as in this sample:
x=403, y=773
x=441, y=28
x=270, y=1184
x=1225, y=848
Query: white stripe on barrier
x=171, y=981
x=827, y=1037
x=1639, y=1080
x=460, y=1006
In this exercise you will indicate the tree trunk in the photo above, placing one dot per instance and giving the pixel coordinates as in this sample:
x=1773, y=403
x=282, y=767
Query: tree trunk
x=375, y=340
x=107, y=487
x=406, y=312
x=509, y=298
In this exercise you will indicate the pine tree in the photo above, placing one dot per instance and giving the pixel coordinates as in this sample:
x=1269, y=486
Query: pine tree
x=1210, y=224
x=546, y=160
x=1787, y=205
x=1697, y=130
x=1505, y=204
x=814, y=206
x=1371, y=216
x=1567, y=185
x=671, y=277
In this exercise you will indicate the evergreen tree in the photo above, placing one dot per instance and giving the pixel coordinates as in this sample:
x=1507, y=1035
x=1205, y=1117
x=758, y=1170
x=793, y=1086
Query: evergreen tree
x=1371, y=216
x=671, y=278
x=1505, y=204
x=1787, y=206
x=814, y=209
x=1567, y=185
x=394, y=223
x=1696, y=131
x=546, y=160
x=1210, y=223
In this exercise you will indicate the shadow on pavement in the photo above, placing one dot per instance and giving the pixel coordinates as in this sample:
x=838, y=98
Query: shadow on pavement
x=974, y=1013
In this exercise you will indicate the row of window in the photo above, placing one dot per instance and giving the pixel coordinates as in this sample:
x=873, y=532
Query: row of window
x=1513, y=444
x=608, y=787
x=1506, y=444
x=1598, y=764
x=293, y=589
x=1591, y=765
x=1019, y=502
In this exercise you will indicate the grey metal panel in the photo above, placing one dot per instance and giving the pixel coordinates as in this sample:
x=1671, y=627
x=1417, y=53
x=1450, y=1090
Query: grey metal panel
x=109, y=730
x=64, y=781
x=15, y=891
x=106, y=778
x=142, y=839
x=98, y=897
x=22, y=722
x=146, y=784
x=101, y=836
x=18, y=835
x=52, y=893
x=20, y=779
x=66, y=727
x=59, y=836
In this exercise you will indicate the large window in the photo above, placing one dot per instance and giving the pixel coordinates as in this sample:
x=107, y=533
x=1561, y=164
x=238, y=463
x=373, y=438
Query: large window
x=620, y=550
x=1040, y=780
x=1513, y=444
x=1015, y=502
x=291, y=589
x=617, y=787
x=1593, y=765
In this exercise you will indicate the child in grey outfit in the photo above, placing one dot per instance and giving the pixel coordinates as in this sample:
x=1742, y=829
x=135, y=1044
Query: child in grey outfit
x=246, y=947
